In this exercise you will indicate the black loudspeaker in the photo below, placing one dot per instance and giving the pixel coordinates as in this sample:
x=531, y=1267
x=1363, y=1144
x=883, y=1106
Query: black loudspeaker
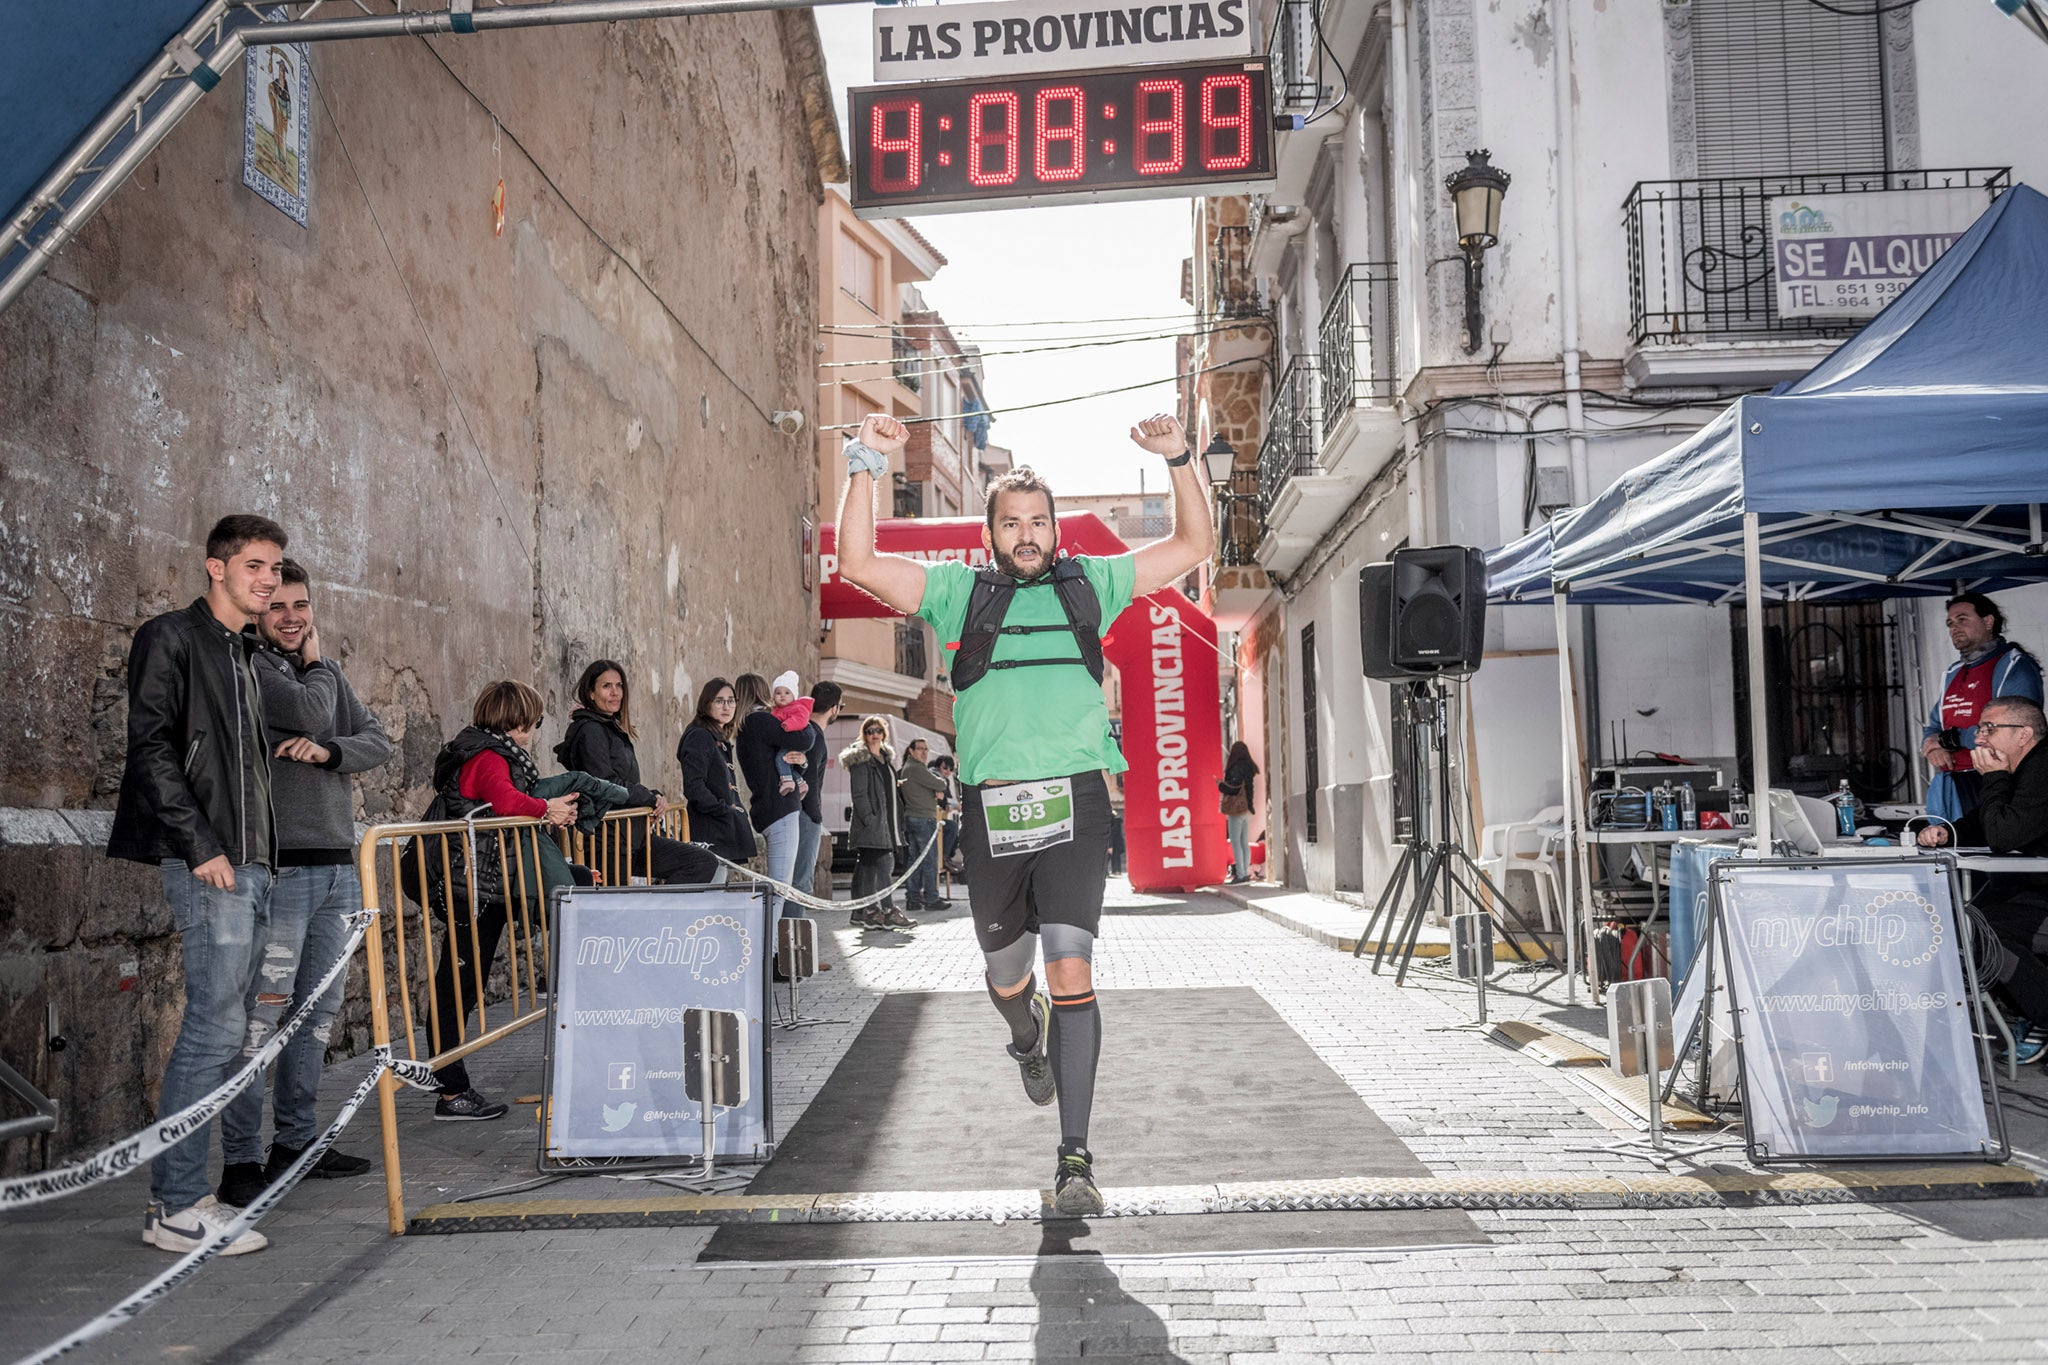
x=1439, y=608
x=1376, y=625
x=1423, y=613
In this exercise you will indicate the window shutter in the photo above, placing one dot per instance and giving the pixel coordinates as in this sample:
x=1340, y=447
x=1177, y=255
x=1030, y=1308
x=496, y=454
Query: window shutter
x=1782, y=86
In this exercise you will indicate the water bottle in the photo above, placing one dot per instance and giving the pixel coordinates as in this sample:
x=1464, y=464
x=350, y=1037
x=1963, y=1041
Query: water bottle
x=1738, y=807
x=1845, y=810
x=1667, y=806
x=1688, y=807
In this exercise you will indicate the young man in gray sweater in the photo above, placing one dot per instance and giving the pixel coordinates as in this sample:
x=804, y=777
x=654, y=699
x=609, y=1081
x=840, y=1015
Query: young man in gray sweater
x=323, y=733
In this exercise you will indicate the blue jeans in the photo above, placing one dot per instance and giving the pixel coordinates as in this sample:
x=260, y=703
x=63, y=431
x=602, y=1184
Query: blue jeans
x=782, y=842
x=808, y=832
x=923, y=888
x=1240, y=830
x=309, y=909
x=222, y=934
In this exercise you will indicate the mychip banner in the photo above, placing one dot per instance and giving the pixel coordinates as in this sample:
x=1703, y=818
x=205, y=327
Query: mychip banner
x=1852, y=1012
x=629, y=963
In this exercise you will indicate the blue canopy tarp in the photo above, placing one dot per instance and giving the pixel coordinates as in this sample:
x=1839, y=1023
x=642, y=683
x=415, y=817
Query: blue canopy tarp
x=1912, y=460
x=63, y=64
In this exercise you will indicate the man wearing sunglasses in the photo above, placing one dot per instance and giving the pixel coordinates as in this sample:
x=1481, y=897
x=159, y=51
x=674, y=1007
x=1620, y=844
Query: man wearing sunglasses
x=2011, y=816
x=1034, y=745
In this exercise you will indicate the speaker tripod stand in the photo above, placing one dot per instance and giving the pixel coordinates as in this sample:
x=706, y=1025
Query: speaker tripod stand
x=1433, y=870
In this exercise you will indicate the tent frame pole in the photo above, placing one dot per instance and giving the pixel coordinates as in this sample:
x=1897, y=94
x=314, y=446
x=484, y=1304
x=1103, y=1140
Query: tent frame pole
x=1573, y=802
x=1759, y=724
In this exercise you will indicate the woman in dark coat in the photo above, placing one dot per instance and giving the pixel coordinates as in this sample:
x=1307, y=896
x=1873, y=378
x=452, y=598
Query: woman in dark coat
x=877, y=820
x=1240, y=774
x=599, y=741
x=760, y=741
x=711, y=787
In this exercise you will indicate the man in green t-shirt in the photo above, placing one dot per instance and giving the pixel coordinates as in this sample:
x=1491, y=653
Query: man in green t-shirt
x=1034, y=745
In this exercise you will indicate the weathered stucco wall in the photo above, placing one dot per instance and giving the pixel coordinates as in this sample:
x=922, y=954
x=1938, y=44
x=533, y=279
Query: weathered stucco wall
x=497, y=456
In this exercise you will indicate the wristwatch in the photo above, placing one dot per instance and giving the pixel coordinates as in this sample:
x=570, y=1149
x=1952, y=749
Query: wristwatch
x=1177, y=461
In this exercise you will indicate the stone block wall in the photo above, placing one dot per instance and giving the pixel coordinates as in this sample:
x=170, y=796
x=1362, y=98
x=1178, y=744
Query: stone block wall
x=498, y=456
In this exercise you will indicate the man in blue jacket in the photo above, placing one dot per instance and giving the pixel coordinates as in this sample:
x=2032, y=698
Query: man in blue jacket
x=1988, y=665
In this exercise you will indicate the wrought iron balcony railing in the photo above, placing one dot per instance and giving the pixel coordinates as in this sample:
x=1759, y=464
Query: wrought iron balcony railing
x=1233, y=290
x=908, y=360
x=1237, y=520
x=1356, y=341
x=910, y=653
x=1294, y=435
x=1699, y=251
x=1298, y=87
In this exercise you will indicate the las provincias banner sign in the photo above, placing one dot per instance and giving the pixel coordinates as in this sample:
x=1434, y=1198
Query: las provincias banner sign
x=1163, y=646
x=1019, y=37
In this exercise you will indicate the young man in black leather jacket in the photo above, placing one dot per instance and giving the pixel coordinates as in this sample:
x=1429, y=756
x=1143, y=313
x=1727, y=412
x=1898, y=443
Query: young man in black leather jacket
x=195, y=800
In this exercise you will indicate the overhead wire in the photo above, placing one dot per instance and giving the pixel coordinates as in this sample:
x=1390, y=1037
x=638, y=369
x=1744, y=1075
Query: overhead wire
x=1056, y=402
x=1036, y=322
x=924, y=361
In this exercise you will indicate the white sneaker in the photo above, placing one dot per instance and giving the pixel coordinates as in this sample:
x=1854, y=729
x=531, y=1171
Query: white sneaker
x=188, y=1229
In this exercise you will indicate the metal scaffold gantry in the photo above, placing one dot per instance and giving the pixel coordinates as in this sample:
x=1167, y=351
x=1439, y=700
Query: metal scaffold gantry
x=196, y=59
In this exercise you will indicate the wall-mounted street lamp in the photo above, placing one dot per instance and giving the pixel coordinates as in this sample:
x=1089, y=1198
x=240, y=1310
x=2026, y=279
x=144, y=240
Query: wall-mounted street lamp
x=1476, y=191
x=1219, y=459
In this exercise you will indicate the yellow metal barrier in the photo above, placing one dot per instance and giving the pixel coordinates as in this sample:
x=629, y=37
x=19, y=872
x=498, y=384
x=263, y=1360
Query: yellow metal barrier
x=427, y=853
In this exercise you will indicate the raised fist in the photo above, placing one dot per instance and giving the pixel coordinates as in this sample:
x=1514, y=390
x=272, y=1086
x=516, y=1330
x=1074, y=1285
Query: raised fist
x=1161, y=434
x=881, y=432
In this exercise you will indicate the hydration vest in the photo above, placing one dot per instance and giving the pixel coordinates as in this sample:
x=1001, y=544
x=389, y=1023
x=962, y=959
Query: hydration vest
x=990, y=603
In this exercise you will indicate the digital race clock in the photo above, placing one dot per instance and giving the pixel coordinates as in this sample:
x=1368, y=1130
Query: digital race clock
x=1133, y=133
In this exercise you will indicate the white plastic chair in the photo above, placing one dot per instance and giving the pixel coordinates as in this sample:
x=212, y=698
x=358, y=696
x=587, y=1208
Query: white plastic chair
x=1528, y=847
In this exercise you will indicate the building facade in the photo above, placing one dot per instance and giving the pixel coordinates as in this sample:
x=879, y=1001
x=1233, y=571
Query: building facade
x=1390, y=395
x=880, y=350
x=501, y=446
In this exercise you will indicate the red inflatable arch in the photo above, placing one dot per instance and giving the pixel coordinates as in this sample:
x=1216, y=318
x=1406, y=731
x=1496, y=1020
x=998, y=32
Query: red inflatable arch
x=1165, y=648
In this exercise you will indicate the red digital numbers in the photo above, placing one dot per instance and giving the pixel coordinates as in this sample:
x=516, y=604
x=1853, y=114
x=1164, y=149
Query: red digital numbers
x=1167, y=126
x=910, y=146
x=1133, y=133
x=1239, y=122
x=1067, y=135
x=982, y=139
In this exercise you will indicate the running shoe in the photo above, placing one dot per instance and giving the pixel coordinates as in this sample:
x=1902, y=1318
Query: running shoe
x=1034, y=1064
x=332, y=1165
x=896, y=919
x=241, y=1182
x=189, y=1229
x=2023, y=1030
x=1073, y=1184
x=466, y=1107
x=2031, y=1045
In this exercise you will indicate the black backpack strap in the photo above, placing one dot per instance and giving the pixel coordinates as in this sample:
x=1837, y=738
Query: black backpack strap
x=990, y=604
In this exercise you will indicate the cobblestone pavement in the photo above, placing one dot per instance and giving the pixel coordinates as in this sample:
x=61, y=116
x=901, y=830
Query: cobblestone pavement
x=1909, y=1283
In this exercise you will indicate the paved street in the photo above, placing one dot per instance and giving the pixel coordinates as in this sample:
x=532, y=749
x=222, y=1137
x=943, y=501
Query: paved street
x=1956, y=1280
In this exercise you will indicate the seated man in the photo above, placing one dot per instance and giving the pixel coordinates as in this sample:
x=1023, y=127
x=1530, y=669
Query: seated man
x=2012, y=817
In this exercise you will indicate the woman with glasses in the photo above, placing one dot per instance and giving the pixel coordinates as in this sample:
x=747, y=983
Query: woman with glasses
x=877, y=820
x=710, y=784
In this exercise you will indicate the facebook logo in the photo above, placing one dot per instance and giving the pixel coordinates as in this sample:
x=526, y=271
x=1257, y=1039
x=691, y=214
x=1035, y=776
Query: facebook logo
x=620, y=1076
x=1819, y=1067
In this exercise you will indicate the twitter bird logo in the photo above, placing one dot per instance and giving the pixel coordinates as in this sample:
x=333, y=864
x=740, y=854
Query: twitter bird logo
x=1821, y=1114
x=617, y=1116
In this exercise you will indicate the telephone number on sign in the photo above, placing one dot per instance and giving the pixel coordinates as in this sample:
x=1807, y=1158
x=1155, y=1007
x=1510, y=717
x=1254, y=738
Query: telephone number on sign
x=1839, y=296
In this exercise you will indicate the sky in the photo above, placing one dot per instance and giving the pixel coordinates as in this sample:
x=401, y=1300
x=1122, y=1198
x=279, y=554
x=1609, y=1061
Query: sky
x=1008, y=269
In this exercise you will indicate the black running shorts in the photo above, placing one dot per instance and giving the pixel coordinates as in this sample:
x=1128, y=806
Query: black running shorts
x=1013, y=895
